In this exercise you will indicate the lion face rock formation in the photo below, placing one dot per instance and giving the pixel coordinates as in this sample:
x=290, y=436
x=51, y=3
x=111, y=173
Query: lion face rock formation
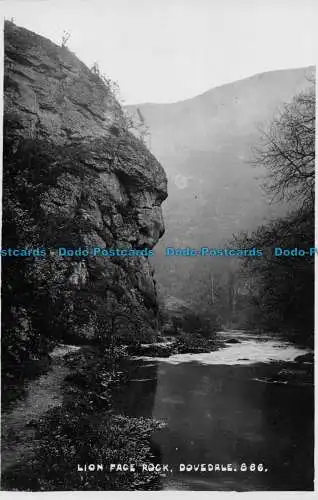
x=74, y=177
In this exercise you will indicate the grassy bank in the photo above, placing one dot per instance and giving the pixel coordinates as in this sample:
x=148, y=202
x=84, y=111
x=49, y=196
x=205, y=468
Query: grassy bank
x=85, y=430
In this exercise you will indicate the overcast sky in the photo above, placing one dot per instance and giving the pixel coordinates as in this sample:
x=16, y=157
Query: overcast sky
x=170, y=50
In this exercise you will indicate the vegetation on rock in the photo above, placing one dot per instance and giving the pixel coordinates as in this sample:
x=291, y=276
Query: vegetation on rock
x=74, y=176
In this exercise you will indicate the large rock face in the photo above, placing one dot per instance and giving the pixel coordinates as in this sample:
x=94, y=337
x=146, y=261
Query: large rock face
x=74, y=177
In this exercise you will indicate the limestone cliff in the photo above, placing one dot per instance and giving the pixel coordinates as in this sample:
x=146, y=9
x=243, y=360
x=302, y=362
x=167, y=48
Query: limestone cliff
x=73, y=177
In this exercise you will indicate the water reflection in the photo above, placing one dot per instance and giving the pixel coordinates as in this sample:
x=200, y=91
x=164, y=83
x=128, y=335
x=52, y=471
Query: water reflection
x=221, y=415
x=232, y=413
x=136, y=398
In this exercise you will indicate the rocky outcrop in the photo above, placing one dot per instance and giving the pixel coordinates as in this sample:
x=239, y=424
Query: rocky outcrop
x=74, y=177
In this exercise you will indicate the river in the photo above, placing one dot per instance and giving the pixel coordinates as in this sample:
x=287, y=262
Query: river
x=248, y=403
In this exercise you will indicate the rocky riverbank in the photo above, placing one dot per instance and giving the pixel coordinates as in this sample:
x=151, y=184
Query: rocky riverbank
x=182, y=344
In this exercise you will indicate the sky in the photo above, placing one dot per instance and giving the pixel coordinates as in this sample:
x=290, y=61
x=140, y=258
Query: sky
x=171, y=50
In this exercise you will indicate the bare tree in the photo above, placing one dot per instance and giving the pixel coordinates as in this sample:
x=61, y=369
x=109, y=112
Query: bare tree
x=136, y=123
x=287, y=150
x=65, y=38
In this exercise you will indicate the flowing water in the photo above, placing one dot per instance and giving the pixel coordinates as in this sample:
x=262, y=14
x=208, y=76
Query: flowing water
x=249, y=403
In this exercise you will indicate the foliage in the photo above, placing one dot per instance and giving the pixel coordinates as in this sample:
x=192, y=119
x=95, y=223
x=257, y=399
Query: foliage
x=192, y=343
x=37, y=174
x=176, y=316
x=85, y=430
x=65, y=38
x=287, y=150
x=108, y=439
x=279, y=290
x=111, y=85
x=134, y=122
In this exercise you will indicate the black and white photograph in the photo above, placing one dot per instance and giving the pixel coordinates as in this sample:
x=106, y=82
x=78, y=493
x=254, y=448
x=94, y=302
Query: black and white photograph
x=158, y=245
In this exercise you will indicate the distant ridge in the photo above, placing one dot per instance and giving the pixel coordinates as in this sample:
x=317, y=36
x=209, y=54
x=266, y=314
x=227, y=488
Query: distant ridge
x=204, y=144
x=255, y=75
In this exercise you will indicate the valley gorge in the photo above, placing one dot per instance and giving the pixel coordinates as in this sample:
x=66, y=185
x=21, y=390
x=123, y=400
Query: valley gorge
x=123, y=372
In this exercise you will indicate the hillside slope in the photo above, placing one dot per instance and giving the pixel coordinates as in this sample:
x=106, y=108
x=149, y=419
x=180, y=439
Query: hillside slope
x=205, y=146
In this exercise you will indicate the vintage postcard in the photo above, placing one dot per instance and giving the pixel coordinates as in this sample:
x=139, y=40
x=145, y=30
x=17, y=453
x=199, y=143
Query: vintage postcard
x=158, y=246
